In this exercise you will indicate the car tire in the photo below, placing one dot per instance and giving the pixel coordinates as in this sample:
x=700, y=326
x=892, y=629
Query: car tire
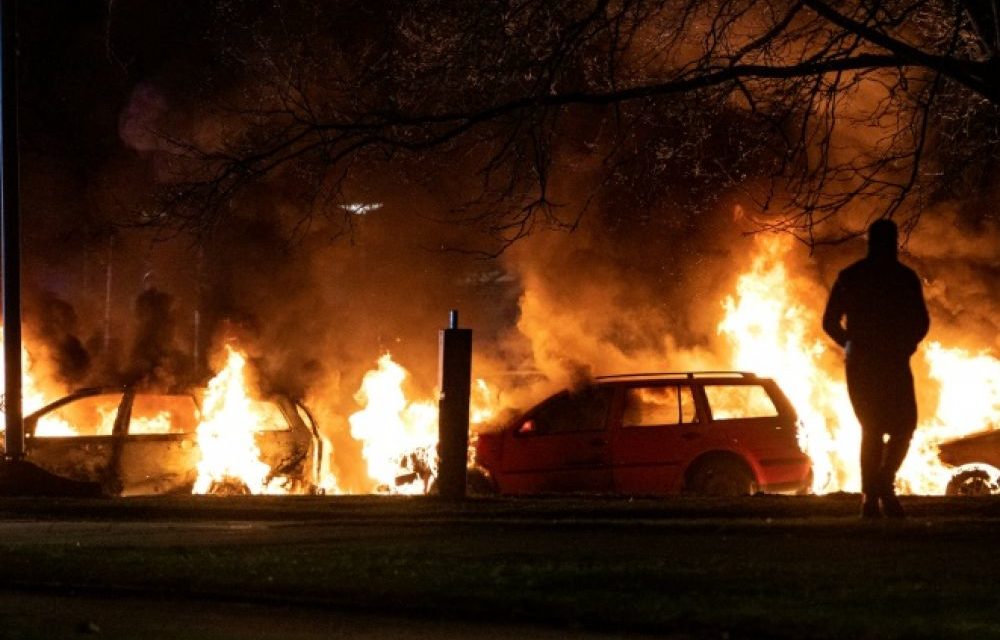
x=722, y=478
x=479, y=483
x=972, y=482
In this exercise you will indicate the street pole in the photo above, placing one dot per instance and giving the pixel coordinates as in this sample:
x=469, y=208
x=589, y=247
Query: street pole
x=453, y=409
x=11, y=232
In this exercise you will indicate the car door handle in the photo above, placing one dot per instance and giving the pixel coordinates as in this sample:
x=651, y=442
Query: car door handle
x=598, y=442
x=690, y=435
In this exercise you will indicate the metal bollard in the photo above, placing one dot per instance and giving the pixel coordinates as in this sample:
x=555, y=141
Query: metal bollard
x=453, y=409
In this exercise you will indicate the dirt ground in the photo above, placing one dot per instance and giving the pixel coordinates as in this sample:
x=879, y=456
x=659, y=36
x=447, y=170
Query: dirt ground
x=768, y=566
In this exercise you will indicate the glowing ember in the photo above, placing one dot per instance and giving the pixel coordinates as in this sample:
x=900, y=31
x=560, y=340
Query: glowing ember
x=229, y=451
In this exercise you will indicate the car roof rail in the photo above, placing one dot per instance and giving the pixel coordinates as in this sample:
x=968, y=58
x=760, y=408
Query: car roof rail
x=679, y=375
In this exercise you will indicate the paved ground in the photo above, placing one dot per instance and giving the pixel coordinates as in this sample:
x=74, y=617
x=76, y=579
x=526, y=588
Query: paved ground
x=411, y=568
x=57, y=616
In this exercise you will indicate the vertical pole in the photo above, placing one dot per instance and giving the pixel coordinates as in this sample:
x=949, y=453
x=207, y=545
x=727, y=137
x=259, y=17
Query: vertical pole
x=108, y=276
x=11, y=230
x=453, y=409
x=198, y=297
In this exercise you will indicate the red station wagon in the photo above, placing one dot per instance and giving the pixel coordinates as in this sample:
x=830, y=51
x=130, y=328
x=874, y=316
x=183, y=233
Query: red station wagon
x=704, y=433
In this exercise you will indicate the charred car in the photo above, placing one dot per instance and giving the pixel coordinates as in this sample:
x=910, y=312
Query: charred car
x=135, y=442
x=976, y=459
x=704, y=433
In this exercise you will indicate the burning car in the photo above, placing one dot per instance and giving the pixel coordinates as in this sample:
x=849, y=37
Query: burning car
x=704, y=433
x=136, y=442
x=976, y=459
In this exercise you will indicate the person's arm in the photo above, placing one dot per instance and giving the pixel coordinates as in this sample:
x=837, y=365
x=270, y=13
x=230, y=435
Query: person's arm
x=834, y=315
x=921, y=320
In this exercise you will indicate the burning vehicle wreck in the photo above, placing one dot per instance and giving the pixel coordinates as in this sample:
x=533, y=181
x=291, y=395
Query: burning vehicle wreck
x=136, y=441
x=976, y=459
x=702, y=433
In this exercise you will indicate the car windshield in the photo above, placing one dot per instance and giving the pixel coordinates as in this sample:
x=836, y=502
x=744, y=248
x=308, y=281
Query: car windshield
x=86, y=416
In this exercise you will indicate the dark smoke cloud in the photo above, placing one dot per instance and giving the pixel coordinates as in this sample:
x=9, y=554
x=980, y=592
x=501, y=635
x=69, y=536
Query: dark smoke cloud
x=154, y=359
x=54, y=327
x=636, y=287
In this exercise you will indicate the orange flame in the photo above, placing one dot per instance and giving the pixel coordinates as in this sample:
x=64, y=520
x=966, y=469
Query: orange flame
x=400, y=435
x=392, y=427
x=968, y=401
x=34, y=397
x=229, y=451
x=773, y=334
x=774, y=328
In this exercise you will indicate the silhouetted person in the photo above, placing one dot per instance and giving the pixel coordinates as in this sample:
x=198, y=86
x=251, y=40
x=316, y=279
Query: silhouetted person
x=883, y=305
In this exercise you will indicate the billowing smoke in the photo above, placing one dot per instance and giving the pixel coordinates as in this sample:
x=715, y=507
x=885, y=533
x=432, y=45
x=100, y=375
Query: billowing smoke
x=54, y=327
x=316, y=297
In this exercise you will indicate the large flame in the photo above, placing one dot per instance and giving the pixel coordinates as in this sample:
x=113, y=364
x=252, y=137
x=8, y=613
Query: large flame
x=400, y=436
x=226, y=434
x=774, y=334
x=968, y=401
x=773, y=324
x=392, y=428
x=36, y=393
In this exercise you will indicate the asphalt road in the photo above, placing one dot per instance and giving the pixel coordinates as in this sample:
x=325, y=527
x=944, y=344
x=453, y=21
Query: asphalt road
x=359, y=567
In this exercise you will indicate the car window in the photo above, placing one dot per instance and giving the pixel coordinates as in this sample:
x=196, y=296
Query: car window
x=736, y=401
x=583, y=410
x=86, y=416
x=268, y=416
x=163, y=414
x=659, y=406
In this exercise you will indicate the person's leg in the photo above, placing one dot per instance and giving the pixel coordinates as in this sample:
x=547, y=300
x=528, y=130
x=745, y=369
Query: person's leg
x=871, y=466
x=901, y=421
x=862, y=387
x=894, y=454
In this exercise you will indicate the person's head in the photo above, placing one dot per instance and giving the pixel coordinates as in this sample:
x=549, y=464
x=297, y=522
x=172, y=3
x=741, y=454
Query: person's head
x=883, y=238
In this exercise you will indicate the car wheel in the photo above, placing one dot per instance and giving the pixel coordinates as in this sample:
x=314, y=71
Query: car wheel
x=722, y=478
x=479, y=483
x=972, y=482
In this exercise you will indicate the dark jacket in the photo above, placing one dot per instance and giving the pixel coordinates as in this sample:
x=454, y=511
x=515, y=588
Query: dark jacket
x=884, y=308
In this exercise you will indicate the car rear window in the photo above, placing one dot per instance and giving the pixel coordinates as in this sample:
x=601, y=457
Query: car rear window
x=739, y=401
x=659, y=406
x=163, y=414
x=85, y=416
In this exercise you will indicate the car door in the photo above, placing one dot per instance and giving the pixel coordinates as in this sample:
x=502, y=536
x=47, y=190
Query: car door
x=754, y=419
x=656, y=432
x=561, y=446
x=158, y=453
x=73, y=437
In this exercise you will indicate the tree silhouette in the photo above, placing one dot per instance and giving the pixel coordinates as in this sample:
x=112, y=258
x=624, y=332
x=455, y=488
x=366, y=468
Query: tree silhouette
x=805, y=108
